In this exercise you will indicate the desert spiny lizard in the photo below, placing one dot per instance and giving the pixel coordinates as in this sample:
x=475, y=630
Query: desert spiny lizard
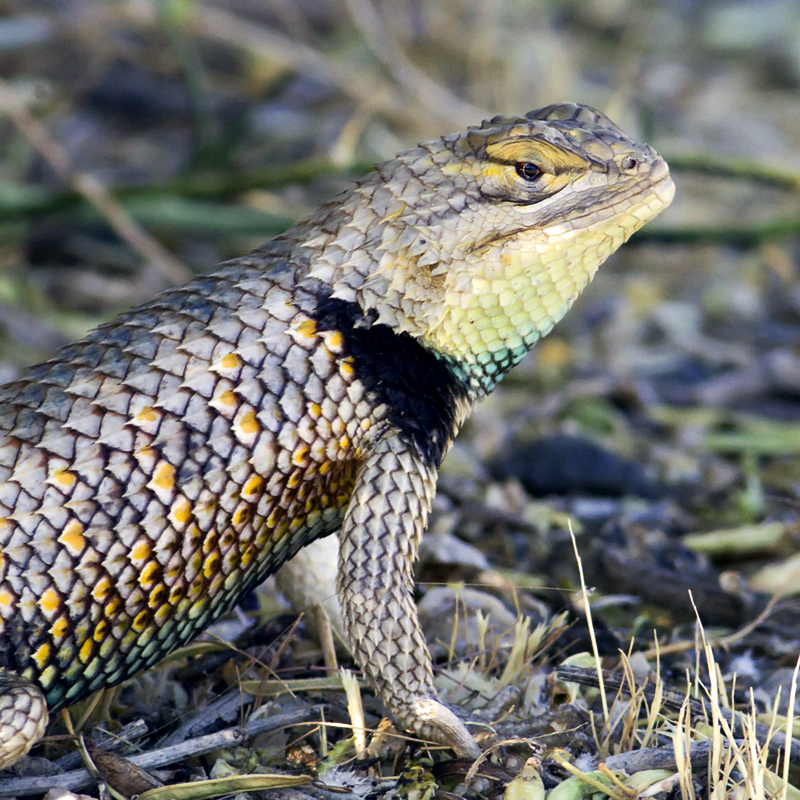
x=157, y=470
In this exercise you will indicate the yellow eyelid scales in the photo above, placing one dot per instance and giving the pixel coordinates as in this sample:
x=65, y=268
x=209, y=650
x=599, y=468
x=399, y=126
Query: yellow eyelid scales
x=549, y=157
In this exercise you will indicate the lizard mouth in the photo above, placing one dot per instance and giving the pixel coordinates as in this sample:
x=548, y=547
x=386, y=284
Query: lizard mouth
x=654, y=197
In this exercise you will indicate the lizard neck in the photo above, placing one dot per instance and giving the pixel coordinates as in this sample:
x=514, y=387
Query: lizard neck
x=478, y=303
x=515, y=290
x=429, y=246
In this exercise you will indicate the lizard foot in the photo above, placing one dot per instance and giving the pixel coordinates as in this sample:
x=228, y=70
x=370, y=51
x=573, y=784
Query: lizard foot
x=434, y=721
x=23, y=717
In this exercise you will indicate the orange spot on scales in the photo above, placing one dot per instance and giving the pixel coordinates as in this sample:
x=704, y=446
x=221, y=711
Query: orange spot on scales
x=210, y=542
x=253, y=485
x=300, y=455
x=42, y=656
x=248, y=422
x=60, y=627
x=175, y=595
x=49, y=601
x=141, y=550
x=227, y=398
x=113, y=607
x=211, y=565
x=72, y=537
x=148, y=575
x=334, y=340
x=156, y=598
x=63, y=477
x=307, y=327
x=100, y=631
x=231, y=361
x=146, y=415
x=181, y=511
x=101, y=590
x=164, y=477
x=86, y=651
x=240, y=516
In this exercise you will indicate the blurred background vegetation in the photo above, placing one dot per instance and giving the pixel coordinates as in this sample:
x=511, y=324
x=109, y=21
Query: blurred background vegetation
x=216, y=124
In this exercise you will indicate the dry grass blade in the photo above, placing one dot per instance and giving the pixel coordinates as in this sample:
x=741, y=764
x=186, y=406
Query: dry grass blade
x=91, y=190
x=220, y=787
x=325, y=634
x=655, y=704
x=682, y=742
x=369, y=92
x=727, y=752
x=263, y=688
x=356, y=710
x=517, y=658
x=590, y=624
x=420, y=86
x=674, y=701
x=789, y=727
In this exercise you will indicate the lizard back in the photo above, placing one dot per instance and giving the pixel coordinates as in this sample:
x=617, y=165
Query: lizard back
x=157, y=470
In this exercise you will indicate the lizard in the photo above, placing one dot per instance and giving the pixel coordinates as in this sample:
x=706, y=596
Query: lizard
x=157, y=470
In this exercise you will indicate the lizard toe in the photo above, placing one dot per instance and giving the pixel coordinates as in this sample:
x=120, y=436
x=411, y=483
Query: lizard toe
x=436, y=722
x=23, y=716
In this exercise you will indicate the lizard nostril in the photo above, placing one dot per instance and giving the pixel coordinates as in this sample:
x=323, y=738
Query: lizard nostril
x=629, y=162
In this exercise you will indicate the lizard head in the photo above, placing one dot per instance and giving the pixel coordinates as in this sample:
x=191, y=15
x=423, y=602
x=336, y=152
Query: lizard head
x=478, y=243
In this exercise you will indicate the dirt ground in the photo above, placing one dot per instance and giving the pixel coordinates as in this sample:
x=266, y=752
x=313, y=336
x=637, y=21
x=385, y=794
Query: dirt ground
x=661, y=419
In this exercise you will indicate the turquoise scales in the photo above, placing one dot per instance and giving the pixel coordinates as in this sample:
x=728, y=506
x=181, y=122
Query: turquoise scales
x=171, y=460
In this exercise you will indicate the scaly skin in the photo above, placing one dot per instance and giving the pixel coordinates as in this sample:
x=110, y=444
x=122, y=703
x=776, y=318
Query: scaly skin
x=165, y=465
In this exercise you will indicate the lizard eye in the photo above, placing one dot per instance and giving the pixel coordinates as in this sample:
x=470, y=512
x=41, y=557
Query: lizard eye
x=528, y=171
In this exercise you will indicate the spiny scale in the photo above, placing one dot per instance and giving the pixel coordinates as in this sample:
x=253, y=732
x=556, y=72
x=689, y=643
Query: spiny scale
x=160, y=468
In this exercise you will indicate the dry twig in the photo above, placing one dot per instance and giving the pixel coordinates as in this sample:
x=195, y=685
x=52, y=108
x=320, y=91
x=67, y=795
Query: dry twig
x=90, y=189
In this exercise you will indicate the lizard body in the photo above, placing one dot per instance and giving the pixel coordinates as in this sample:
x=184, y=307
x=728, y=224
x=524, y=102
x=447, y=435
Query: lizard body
x=154, y=472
